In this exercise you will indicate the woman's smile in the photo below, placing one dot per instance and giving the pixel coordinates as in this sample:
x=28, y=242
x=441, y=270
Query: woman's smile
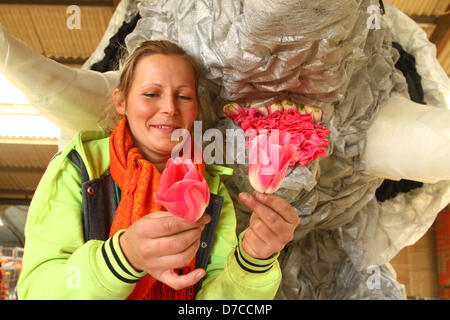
x=164, y=129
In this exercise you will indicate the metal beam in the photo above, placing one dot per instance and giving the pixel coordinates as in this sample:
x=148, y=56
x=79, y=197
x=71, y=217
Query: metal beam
x=68, y=60
x=16, y=197
x=15, y=202
x=425, y=19
x=21, y=170
x=108, y=3
x=23, y=193
x=25, y=140
x=441, y=34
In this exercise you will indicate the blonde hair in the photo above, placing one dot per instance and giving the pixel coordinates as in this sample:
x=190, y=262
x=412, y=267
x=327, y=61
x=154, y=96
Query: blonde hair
x=127, y=71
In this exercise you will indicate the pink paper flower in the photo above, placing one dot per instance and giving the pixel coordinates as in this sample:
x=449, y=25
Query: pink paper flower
x=270, y=156
x=183, y=190
x=306, y=135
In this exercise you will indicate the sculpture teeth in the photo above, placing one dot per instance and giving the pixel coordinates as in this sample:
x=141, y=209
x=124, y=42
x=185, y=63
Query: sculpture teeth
x=232, y=108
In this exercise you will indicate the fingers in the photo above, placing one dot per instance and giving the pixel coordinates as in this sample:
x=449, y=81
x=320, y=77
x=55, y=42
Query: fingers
x=280, y=205
x=159, y=234
x=175, y=244
x=266, y=239
x=163, y=224
x=272, y=224
x=277, y=215
x=258, y=246
x=177, y=282
x=172, y=261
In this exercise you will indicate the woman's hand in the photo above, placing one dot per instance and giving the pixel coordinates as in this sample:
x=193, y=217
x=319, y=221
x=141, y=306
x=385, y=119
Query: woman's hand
x=272, y=224
x=160, y=242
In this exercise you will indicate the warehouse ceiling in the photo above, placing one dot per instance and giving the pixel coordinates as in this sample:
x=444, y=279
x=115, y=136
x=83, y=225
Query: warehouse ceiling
x=43, y=26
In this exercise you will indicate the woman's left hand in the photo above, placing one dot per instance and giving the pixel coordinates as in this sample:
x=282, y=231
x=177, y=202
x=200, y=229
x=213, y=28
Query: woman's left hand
x=272, y=224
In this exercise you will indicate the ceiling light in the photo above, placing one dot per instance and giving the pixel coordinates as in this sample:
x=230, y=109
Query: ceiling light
x=18, y=119
x=9, y=94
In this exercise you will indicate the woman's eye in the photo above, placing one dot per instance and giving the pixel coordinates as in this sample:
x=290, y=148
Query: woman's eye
x=151, y=95
x=184, y=97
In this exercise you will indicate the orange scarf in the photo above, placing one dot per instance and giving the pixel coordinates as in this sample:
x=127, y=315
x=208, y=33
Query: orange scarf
x=139, y=180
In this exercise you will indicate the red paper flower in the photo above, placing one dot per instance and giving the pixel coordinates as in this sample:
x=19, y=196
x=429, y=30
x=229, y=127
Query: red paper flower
x=183, y=190
x=308, y=136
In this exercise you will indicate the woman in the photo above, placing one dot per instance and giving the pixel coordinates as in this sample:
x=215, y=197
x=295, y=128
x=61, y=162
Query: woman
x=149, y=252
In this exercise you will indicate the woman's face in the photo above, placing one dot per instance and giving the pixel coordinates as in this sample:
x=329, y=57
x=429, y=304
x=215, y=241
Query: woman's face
x=162, y=98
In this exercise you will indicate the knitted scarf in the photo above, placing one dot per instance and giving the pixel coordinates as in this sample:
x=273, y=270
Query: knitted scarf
x=138, y=180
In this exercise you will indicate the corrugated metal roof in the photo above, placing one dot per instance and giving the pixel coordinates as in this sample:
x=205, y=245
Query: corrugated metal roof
x=428, y=8
x=44, y=28
x=24, y=180
x=18, y=155
x=21, y=168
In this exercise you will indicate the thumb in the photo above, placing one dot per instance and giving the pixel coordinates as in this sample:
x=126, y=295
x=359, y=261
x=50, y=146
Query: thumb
x=178, y=282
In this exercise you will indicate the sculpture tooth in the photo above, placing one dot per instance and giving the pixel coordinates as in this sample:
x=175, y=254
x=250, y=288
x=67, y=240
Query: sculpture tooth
x=231, y=108
x=263, y=110
x=301, y=109
x=287, y=104
x=275, y=107
x=315, y=112
x=317, y=115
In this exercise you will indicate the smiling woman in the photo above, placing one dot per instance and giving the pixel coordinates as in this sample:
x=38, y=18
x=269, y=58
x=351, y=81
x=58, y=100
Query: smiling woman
x=107, y=224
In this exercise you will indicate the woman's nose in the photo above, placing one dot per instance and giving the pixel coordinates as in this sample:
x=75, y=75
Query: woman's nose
x=168, y=105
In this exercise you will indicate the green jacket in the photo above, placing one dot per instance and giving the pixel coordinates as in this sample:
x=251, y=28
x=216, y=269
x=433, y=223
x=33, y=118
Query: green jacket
x=59, y=264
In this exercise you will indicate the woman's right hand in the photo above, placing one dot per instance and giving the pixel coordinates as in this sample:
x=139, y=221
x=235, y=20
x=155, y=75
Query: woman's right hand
x=160, y=242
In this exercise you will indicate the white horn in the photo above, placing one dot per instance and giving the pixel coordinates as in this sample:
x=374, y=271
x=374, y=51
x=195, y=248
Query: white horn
x=410, y=141
x=73, y=99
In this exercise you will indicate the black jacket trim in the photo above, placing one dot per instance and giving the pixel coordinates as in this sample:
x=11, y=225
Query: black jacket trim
x=252, y=263
x=236, y=254
x=116, y=257
x=111, y=268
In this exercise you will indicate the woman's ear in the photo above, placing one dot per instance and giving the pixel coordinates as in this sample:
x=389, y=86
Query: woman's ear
x=119, y=101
